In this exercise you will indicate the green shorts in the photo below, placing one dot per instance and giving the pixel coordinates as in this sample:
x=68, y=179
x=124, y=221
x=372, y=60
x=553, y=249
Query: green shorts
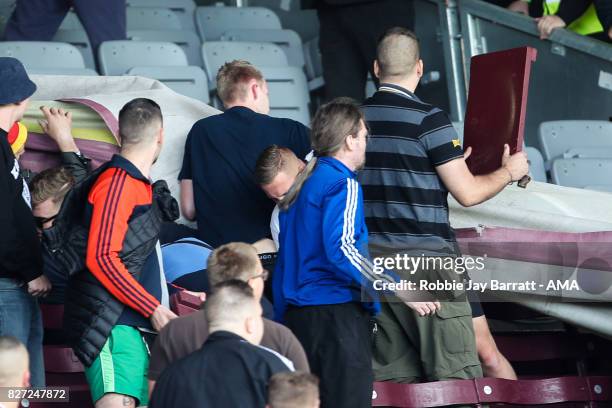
x=121, y=367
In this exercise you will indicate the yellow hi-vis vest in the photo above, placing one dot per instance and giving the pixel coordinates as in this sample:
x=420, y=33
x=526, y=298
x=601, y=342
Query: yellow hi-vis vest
x=587, y=23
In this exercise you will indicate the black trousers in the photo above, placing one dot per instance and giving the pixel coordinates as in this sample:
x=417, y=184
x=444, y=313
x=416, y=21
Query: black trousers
x=348, y=38
x=38, y=20
x=338, y=343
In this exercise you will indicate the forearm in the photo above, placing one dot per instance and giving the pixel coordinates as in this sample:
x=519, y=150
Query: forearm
x=122, y=285
x=78, y=165
x=486, y=186
x=187, y=200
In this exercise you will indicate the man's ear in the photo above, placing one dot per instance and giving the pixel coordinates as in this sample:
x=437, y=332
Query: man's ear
x=160, y=138
x=376, y=69
x=249, y=325
x=26, y=379
x=350, y=143
x=255, y=89
x=419, y=68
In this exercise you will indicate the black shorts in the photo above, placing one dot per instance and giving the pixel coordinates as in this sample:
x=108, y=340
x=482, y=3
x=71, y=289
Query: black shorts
x=474, y=300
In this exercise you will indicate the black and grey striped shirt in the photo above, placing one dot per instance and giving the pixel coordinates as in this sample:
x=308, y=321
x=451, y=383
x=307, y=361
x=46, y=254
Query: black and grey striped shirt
x=405, y=201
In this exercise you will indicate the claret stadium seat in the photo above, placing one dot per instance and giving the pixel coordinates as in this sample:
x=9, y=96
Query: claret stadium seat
x=62, y=367
x=183, y=303
x=554, y=392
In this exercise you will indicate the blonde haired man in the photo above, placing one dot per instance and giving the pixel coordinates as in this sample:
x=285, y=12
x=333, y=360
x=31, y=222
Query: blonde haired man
x=217, y=184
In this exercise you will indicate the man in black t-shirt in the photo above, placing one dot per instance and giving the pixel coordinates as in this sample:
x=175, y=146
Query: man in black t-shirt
x=217, y=183
x=230, y=369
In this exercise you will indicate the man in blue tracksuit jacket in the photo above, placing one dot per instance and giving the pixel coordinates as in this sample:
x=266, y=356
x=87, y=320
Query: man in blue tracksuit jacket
x=323, y=279
x=324, y=258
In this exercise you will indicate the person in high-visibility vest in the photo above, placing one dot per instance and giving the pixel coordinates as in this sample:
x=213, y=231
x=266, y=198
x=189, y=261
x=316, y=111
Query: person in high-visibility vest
x=578, y=16
x=585, y=17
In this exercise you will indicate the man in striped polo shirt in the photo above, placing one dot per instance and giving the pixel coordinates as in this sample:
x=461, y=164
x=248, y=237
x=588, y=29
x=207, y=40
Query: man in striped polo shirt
x=414, y=158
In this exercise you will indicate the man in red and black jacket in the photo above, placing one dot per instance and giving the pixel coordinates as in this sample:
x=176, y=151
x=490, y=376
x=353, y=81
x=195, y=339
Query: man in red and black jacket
x=122, y=292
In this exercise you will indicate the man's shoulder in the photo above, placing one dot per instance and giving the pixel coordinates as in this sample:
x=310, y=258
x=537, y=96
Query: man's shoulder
x=208, y=121
x=276, y=361
x=213, y=121
x=284, y=123
x=327, y=177
x=392, y=104
x=102, y=179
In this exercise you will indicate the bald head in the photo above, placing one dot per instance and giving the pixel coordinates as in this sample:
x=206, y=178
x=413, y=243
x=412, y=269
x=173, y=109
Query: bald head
x=397, y=54
x=14, y=363
x=232, y=307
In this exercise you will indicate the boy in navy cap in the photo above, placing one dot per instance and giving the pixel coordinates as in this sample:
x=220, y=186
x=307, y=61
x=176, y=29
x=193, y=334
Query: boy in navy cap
x=21, y=278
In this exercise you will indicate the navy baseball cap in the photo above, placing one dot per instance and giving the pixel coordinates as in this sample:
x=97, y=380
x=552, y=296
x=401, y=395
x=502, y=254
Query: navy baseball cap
x=15, y=84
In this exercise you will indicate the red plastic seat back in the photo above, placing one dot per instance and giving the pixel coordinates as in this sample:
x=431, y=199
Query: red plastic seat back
x=184, y=303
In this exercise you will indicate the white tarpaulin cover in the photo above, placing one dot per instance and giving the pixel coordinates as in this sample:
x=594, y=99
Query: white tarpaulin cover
x=179, y=112
x=542, y=207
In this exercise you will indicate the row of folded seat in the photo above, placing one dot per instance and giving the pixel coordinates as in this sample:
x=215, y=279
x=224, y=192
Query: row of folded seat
x=170, y=49
x=576, y=153
x=571, y=153
x=168, y=63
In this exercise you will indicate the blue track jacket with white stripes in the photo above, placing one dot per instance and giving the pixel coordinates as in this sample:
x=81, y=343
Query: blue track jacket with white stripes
x=323, y=256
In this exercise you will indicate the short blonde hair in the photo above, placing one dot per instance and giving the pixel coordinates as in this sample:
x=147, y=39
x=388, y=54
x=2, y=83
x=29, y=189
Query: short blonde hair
x=270, y=162
x=52, y=184
x=232, y=79
x=233, y=261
